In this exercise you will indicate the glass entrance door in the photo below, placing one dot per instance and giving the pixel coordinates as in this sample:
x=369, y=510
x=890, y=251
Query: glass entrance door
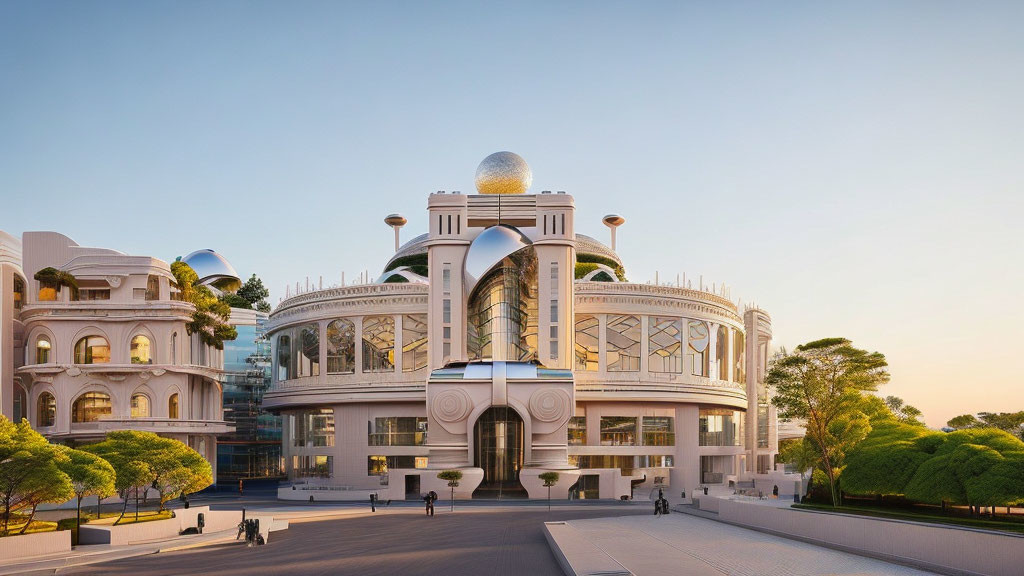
x=498, y=437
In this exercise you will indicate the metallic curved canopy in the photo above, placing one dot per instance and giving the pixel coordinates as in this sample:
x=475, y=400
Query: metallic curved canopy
x=213, y=270
x=488, y=249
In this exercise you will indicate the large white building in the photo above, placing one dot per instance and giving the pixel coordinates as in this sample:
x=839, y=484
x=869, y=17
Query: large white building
x=111, y=354
x=505, y=344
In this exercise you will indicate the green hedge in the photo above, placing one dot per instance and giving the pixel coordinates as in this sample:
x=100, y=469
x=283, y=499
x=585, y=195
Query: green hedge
x=585, y=258
x=413, y=260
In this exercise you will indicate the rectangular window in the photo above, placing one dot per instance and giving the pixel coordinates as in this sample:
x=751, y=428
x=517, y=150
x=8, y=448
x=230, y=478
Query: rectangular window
x=414, y=342
x=664, y=344
x=379, y=465
x=659, y=431
x=86, y=294
x=458, y=223
x=313, y=428
x=399, y=431
x=618, y=430
x=446, y=311
x=762, y=426
x=447, y=332
x=153, y=287
x=578, y=431
x=627, y=464
x=623, y=336
x=720, y=427
x=446, y=279
x=312, y=466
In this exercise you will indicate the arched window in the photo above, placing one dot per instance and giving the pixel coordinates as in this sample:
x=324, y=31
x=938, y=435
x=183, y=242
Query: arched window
x=92, y=350
x=722, y=353
x=90, y=407
x=379, y=344
x=309, y=351
x=172, y=406
x=341, y=347
x=20, y=404
x=698, y=348
x=43, y=350
x=46, y=410
x=623, y=338
x=140, y=406
x=142, y=351
x=588, y=341
x=414, y=342
x=284, y=357
x=664, y=344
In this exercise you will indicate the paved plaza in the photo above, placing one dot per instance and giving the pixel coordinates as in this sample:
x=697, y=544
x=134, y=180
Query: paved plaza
x=505, y=540
x=685, y=544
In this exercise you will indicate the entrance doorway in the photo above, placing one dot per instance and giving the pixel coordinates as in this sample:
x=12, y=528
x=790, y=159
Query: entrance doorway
x=498, y=441
x=412, y=486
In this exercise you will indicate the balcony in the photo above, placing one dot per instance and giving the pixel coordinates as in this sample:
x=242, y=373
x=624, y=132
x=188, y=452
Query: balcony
x=659, y=439
x=157, y=425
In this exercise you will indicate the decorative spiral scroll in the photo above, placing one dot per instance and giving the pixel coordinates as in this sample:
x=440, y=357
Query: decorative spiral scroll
x=451, y=405
x=549, y=404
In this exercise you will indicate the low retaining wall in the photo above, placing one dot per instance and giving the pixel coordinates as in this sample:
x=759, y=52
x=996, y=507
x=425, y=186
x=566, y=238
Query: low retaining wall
x=216, y=521
x=30, y=545
x=948, y=550
x=303, y=493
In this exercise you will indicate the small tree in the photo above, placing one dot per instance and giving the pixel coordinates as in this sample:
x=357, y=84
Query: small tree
x=255, y=293
x=58, y=278
x=822, y=383
x=550, y=479
x=209, y=319
x=453, y=477
x=90, y=476
x=903, y=412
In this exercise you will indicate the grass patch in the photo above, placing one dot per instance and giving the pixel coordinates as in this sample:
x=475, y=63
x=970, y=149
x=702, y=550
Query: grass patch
x=108, y=518
x=14, y=529
x=1000, y=524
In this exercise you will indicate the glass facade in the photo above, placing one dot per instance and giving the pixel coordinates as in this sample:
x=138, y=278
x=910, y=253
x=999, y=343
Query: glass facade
x=721, y=427
x=92, y=350
x=623, y=338
x=312, y=466
x=140, y=406
x=502, y=311
x=740, y=358
x=698, y=347
x=46, y=410
x=379, y=344
x=341, y=347
x=312, y=428
x=414, y=342
x=141, y=350
x=253, y=450
x=43, y=350
x=577, y=431
x=665, y=344
x=90, y=407
x=587, y=347
x=618, y=430
x=308, y=357
x=379, y=465
x=398, y=431
x=659, y=431
x=722, y=354
x=626, y=463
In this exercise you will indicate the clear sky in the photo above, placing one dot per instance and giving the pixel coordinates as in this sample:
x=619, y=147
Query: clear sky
x=854, y=168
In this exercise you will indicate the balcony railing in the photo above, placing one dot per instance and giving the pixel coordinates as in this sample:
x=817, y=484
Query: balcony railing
x=398, y=439
x=711, y=477
x=727, y=438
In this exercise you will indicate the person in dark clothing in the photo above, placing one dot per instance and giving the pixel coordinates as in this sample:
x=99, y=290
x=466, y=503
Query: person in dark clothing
x=373, y=502
x=775, y=491
x=429, y=499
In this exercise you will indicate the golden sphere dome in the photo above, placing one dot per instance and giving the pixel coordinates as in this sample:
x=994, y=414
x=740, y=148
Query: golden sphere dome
x=503, y=173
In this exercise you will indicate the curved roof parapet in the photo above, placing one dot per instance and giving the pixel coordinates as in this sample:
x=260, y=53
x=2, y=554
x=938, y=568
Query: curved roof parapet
x=401, y=275
x=213, y=270
x=489, y=248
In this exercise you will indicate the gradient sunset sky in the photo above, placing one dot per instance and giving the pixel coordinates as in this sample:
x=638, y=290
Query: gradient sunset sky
x=857, y=169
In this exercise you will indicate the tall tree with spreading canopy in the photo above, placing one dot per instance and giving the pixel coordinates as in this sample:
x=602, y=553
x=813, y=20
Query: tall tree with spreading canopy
x=902, y=411
x=90, y=475
x=29, y=472
x=822, y=382
x=211, y=314
x=1012, y=422
x=126, y=453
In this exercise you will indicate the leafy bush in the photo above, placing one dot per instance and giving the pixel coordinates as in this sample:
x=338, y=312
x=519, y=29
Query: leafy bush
x=410, y=260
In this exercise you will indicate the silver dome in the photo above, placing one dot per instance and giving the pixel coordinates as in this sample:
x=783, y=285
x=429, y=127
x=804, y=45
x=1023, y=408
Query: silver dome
x=584, y=245
x=213, y=270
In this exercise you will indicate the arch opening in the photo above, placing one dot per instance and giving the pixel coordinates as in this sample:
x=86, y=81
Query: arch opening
x=499, y=437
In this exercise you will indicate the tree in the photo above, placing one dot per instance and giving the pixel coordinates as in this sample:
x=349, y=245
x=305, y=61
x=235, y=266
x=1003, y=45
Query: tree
x=550, y=479
x=903, y=412
x=963, y=421
x=453, y=477
x=209, y=319
x=29, y=475
x=58, y=278
x=235, y=301
x=822, y=383
x=255, y=293
x=1012, y=422
x=165, y=464
x=90, y=475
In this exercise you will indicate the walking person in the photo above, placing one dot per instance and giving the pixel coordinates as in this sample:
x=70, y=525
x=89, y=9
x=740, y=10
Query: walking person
x=373, y=502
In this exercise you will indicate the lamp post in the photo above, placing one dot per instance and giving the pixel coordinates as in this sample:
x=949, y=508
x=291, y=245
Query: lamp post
x=396, y=221
x=613, y=221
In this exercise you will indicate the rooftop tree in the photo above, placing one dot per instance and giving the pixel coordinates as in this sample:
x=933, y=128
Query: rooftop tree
x=822, y=383
x=255, y=293
x=211, y=314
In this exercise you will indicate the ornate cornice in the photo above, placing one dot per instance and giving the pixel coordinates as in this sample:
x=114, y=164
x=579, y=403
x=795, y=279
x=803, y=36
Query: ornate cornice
x=691, y=303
